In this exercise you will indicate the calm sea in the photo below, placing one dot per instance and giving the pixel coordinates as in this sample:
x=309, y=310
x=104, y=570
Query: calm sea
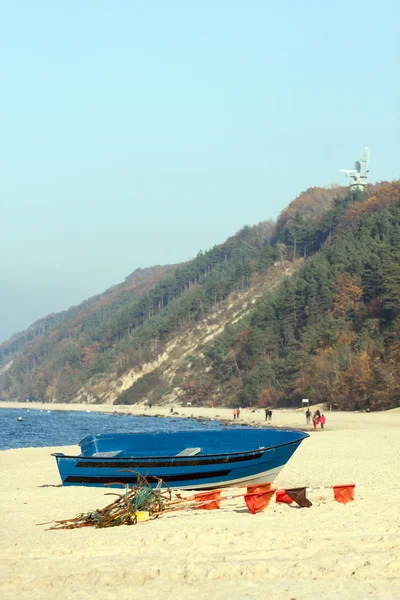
x=65, y=428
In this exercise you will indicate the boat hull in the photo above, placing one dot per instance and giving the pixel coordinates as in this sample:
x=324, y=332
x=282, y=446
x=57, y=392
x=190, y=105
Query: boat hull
x=101, y=465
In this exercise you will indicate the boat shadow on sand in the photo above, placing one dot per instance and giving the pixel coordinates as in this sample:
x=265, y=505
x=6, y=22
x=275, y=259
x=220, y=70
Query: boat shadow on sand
x=52, y=485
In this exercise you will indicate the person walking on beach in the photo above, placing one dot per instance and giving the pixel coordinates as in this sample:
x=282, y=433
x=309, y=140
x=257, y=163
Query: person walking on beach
x=322, y=421
x=234, y=413
x=308, y=416
x=269, y=415
x=266, y=413
x=316, y=418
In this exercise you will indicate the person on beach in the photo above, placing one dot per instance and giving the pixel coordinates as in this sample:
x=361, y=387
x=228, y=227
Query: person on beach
x=234, y=413
x=316, y=418
x=308, y=416
x=269, y=415
x=237, y=413
x=322, y=421
x=266, y=413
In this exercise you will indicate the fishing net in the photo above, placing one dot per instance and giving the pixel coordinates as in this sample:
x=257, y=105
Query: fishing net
x=129, y=507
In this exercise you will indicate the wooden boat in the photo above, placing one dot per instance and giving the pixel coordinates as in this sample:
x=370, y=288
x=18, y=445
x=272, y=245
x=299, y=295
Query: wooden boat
x=203, y=459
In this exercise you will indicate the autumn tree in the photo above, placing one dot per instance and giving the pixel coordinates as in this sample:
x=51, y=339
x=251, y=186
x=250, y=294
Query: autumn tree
x=347, y=293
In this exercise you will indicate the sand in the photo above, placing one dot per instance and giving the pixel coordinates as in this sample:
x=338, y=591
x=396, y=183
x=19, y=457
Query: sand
x=327, y=551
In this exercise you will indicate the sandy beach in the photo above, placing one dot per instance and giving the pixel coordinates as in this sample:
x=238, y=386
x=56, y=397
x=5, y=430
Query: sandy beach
x=327, y=551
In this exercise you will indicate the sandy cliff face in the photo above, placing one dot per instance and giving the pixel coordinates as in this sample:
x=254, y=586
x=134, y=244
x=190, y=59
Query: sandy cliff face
x=182, y=360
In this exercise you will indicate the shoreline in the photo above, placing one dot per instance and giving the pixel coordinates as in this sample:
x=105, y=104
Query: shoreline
x=291, y=418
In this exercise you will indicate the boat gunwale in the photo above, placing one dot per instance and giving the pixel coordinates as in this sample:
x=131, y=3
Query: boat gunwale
x=263, y=449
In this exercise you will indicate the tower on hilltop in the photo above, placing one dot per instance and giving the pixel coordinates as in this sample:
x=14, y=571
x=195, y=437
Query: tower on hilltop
x=359, y=174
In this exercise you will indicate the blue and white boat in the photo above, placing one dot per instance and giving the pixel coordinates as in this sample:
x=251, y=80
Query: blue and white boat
x=205, y=459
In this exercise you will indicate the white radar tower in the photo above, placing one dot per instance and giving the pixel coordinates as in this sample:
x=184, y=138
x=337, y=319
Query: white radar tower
x=359, y=174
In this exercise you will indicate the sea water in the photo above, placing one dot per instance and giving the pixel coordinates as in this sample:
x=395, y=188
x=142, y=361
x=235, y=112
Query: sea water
x=27, y=428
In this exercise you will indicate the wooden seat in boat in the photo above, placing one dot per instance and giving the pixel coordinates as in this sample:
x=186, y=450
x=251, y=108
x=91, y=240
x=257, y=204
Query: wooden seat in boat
x=110, y=454
x=189, y=452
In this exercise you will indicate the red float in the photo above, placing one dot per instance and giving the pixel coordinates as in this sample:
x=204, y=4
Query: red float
x=257, y=502
x=208, y=500
x=344, y=493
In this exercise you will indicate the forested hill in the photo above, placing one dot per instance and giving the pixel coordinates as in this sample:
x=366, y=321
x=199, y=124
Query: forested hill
x=70, y=321
x=331, y=332
x=304, y=308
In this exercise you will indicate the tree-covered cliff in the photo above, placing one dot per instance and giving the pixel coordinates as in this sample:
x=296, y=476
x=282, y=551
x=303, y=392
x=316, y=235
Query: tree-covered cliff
x=331, y=332
x=325, y=323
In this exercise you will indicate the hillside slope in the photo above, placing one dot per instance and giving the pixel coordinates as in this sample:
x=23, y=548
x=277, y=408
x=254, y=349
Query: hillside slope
x=134, y=286
x=251, y=320
x=129, y=325
x=331, y=332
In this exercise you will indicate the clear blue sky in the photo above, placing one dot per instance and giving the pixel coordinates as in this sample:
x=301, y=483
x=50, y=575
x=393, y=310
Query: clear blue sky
x=136, y=132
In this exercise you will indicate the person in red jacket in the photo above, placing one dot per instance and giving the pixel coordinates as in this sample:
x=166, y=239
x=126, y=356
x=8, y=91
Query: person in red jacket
x=315, y=419
x=322, y=421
